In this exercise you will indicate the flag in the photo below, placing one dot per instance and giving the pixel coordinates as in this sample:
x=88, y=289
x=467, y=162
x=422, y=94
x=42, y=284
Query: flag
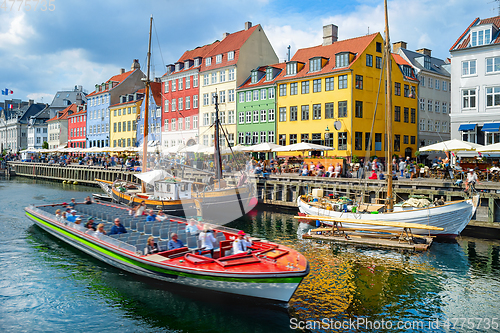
x=10, y=106
x=11, y=92
x=7, y=91
x=4, y=92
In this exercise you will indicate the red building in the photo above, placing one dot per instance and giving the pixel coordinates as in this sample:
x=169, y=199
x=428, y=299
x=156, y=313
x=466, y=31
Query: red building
x=180, y=98
x=77, y=124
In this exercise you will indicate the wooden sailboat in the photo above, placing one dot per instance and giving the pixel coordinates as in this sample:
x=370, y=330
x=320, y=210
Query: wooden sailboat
x=453, y=216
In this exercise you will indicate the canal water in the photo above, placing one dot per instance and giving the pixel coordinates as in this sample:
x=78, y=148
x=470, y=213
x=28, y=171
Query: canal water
x=46, y=285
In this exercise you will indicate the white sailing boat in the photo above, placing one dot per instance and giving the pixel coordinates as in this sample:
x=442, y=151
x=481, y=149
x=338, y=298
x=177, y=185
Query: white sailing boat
x=452, y=216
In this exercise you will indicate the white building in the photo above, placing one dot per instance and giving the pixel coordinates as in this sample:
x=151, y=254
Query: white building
x=37, y=129
x=475, y=72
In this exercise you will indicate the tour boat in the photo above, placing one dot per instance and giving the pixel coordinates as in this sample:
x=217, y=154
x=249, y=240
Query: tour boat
x=269, y=271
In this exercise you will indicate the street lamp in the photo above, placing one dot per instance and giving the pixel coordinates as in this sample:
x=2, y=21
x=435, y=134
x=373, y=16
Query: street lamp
x=327, y=136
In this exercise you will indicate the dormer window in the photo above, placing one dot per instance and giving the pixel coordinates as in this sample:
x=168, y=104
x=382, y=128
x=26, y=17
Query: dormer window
x=177, y=67
x=291, y=68
x=269, y=74
x=481, y=36
x=427, y=62
x=218, y=58
x=196, y=62
x=186, y=64
x=255, y=77
x=407, y=71
x=342, y=59
x=315, y=65
x=208, y=61
x=230, y=55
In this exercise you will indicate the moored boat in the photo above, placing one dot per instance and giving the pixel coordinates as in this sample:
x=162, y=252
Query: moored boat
x=269, y=271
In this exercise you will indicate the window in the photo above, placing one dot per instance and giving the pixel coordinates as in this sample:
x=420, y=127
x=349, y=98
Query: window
x=230, y=55
x=429, y=105
x=492, y=96
x=205, y=79
x=249, y=96
x=316, y=111
x=329, y=111
x=468, y=98
x=222, y=96
x=242, y=97
x=129, y=126
x=397, y=113
x=422, y=80
x=214, y=77
x=230, y=95
x=271, y=115
x=429, y=125
x=342, y=60
x=413, y=116
x=205, y=99
x=358, y=141
x=368, y=145
x=293, y=113
x=436, y=106
x=206, y=119
x=181, y=81
x=188, y=102
x=445, y=128
x=493, y=65
x=358, y=109
x=437, y=125
x=241, y=117
x=249, y=117
x=343, y=82
x=230, y=75
x=315, y=65
x=270, y=136
x=255, y=95
x=445, y=107
x=369, y=60
x=305, y=112
x=378, y=62
x=179, y=124
x=205, y=140
x=263, y=94
x=282, y=114
x=407, y=90
x=397, y=89
x=342, y=109
x=254, y=77
x=222, y=117
x=181, y=104
x=291, y=68
x=379, y=47
x=218, y=58
x=188, y=123
x=421, y=125
x=241, y=138
x=359, y=82
x=174, y=83
x=397, y=142
x=263, y=116
x=283, y=89
x=342, y=141
x=412, y=140
x=294, y=87
x=119, y=126
x=222, y=76
x=195, y=122
x=195, y=80
x=269, y=74
x=445, y=86
x=293, y=139
x=208, y=61
x=304, y=137
x=304, y=88
x=406, y=115
x=405, y=139
x=329, y=84
x=468, y=67
x=188, y=82
x=263, y=136
x=195, y=101
x=255, y=116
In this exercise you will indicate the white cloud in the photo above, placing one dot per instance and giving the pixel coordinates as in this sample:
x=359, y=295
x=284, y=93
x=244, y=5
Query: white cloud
x=282, y=36
x=17, y=33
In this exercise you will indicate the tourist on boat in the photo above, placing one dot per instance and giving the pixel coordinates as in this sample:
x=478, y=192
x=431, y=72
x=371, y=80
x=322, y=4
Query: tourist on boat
x=140, y=209
x=192, y=228
x=118, y=228
x=78, y=224
x=72, y=203
x=63, y=217
x=151, y=216
x=88, y=201
x=241, y=244
x=174, y=242
x=100, y=230
x=152, y=246
x=207, y=240
x=72, y=217
x=161, y=216
x=58, y=215
x=90, y=224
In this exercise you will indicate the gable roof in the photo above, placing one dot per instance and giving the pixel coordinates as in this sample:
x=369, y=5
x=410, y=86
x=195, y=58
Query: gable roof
x=262, y=82
x=354, y=45
x=402, y=62
x=63, y=115
x=156, y=92
x=117, y=78
x=436, y=63
x=464, y=39
x=232, y=42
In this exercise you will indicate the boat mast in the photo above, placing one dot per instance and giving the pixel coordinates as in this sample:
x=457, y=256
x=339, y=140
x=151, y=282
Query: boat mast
x=217, y=155
x=389, y=110
x=146, y=111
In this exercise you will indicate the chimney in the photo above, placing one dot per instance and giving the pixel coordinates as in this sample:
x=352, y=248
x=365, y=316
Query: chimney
x=330, y=34
x=79, y=100
x=398, y=45
x=424, y=51
x=225, y=34
x=31, y=102
x=135, y=65
x=248, y=25
x=122, y=70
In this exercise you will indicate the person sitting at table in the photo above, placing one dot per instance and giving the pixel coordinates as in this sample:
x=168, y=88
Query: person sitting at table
x=305, y=171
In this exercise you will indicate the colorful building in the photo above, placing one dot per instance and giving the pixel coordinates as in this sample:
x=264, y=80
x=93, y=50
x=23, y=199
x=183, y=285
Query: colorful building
x=123, y=119
x=154, y=117
x=256, y=106
x=181, y=98
x=327, y=95
x=104, y=95
x=77, y=128
x=58, y=127
x=224, y=69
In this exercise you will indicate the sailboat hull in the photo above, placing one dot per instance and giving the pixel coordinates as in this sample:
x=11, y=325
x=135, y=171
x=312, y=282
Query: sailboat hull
x=453, y=217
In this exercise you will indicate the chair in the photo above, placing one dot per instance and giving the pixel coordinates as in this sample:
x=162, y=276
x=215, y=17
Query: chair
x=148, y=229
x=155, y=231
x=192, y=243
x=163, y=245
x=165, y=233
x=140, y=226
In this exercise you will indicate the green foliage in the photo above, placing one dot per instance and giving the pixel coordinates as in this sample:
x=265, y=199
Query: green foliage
x=45, y=145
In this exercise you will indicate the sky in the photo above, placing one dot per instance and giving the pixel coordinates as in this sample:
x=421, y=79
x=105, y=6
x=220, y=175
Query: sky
x=87, y=42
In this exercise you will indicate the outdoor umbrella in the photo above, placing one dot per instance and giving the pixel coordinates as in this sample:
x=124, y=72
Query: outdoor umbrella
x=303, y=146
x=198, y=148
x=262, y=147
x=494, y=148
x=173, y=149
x=452, y=145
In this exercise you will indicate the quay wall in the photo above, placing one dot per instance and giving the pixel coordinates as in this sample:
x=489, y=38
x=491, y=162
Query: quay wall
x=283, y=190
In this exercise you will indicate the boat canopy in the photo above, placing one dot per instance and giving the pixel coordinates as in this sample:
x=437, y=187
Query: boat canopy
x=151, y=177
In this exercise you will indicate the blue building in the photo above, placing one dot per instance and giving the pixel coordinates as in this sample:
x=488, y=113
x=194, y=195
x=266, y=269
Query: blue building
x=106, y=94
x=154, y=117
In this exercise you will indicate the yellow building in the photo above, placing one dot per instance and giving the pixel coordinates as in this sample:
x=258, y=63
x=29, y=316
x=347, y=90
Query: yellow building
x=327, y=95
x=123, y=119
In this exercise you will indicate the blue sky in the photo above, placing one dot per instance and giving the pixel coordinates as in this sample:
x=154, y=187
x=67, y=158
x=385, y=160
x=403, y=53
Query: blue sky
x=87, y=42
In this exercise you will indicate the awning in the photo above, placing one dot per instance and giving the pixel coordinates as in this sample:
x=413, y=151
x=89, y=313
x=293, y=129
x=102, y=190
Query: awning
x=467, y=127
x=491, y=127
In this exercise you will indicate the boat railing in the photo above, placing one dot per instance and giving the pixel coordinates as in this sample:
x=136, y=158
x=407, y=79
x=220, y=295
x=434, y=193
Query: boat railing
x=109, y=240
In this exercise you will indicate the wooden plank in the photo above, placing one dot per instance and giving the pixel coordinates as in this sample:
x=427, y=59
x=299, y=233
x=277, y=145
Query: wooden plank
x=371, y=222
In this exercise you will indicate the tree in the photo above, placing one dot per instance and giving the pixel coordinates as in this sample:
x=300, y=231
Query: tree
x=45, y=145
